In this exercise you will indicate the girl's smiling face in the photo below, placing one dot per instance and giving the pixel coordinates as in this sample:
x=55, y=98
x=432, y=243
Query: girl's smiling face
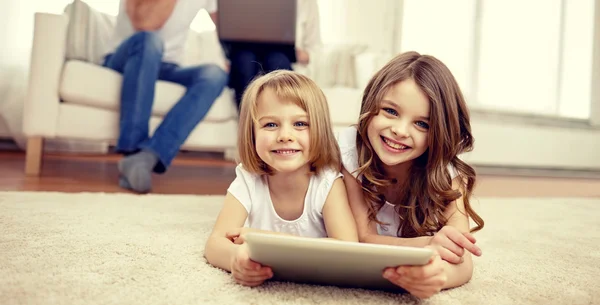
x=282, y=136
x=399, y=132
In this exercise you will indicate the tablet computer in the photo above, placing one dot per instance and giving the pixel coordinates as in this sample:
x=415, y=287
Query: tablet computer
x=331, y=262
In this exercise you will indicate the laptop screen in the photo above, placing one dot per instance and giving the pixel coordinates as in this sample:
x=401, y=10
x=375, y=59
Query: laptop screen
x=260, y=21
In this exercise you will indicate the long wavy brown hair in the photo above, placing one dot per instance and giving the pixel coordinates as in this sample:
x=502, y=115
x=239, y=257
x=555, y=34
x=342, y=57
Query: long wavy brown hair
x=427, y=191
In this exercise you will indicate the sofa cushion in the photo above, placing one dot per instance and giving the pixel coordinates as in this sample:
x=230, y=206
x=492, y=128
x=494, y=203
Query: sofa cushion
x=89, y=32
x=92, y=85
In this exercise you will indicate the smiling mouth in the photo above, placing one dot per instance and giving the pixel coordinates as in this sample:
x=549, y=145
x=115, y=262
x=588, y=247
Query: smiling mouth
x=285, y=151
x=394, y=145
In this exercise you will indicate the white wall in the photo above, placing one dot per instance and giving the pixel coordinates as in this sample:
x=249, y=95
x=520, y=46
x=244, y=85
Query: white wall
x=357, y=21
x=533, y=146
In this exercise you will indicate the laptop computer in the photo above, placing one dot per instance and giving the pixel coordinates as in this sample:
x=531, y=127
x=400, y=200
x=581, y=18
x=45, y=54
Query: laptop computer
x=331, y=262
x=264, y=24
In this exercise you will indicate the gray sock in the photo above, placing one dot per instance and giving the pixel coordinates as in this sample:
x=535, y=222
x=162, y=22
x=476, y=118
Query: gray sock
x=136, y=171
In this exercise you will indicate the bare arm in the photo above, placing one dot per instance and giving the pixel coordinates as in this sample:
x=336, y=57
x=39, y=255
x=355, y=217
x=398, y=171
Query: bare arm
x=337, y=215
x=220, y=250
x=367, y=230
x=149, y=15
x=458, y=274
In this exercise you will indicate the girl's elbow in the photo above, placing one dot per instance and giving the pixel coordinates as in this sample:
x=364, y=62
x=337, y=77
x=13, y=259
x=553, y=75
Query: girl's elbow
x=208, y=251
x=468, y=271
x=207, y=255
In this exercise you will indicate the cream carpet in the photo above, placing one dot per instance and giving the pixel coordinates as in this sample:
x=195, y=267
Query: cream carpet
x=86, y=248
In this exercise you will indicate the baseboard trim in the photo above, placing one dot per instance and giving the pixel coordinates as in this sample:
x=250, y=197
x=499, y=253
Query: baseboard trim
x=536, y=172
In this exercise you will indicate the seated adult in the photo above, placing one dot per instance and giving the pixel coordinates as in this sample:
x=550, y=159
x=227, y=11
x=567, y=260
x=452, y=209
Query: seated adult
x=148, y=45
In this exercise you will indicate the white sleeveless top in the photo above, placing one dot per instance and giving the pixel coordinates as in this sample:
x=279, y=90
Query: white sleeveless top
x=252, y=191
x=347, y=142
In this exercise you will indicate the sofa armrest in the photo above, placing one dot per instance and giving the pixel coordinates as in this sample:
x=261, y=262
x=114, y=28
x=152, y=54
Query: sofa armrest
x=40, y=109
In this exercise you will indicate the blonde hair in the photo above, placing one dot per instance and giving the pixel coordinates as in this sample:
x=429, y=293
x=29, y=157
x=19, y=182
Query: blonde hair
x=303, y=92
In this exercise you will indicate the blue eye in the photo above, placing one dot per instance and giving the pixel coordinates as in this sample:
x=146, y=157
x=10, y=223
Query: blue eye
x=301, y=124
x=422, y=124
x=390, y=111
x=270, y=125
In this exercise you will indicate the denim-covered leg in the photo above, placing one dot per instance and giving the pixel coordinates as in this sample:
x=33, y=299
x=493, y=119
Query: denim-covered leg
x=139, y=60
x=276, y=61
x=204, y=84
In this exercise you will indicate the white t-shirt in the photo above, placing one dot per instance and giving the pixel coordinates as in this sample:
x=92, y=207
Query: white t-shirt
x=174, y=31
x=347, y=142
x=252, y=191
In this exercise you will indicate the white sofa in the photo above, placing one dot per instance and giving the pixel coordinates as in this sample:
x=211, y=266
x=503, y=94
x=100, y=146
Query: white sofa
x=75, y=99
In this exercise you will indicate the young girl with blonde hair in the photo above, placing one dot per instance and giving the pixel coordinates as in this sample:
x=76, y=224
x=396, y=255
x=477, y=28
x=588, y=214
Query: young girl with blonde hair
x=287, y=181
x=405, y=182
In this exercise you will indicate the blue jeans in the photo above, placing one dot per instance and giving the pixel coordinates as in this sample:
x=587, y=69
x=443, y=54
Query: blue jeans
x=248, y=62
x=139, y=59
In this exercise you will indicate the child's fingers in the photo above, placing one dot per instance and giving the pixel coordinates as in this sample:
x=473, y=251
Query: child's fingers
x=449, y=256
x=249, y=283
x=461, y=240
x=260, y=271
x=263, y=276
x=243, y=274
x=423, y=293
x=435, y=281
x=248, y=264
x=444, y=254
x=243, y=261
x=420, y=289
x=449, y=242
x=413, y=288
x=470, y=237
x=454, y=248
x=253, y=275
x=232, y=234
x=447, y=239
x=239, y=240
x=391, y=275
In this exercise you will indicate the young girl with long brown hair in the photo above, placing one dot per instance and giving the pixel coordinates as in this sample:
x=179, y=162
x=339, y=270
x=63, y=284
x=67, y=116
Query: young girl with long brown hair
x=405, y=181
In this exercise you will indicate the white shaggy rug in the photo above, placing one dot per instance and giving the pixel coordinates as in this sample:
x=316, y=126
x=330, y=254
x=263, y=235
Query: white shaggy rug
x=94, y=248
